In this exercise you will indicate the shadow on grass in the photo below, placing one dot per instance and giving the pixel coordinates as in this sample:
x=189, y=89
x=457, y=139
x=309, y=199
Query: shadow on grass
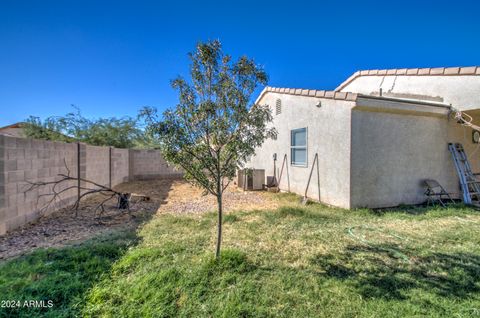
x=64, y=275
x=374, y=273
x=423, y=209
x=59, y=275
x=231, y=218
x=302, y=213
x=171, y=290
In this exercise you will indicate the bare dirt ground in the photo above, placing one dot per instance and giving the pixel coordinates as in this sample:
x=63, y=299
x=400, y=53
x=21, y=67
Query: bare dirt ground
x=166, y=196
x=184, y=198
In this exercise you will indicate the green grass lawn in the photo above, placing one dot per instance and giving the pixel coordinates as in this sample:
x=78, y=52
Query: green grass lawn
x=296, y=261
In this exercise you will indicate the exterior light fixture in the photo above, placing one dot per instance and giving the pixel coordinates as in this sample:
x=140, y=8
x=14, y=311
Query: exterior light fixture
x=476, y=136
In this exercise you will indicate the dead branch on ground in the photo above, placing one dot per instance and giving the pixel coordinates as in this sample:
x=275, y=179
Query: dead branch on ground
x=87, y=188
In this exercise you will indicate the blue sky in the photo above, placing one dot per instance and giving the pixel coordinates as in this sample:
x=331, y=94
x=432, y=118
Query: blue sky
x=112, y=57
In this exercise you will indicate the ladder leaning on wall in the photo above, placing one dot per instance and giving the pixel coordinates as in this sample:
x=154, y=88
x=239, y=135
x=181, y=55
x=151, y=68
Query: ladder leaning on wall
x=469, y=183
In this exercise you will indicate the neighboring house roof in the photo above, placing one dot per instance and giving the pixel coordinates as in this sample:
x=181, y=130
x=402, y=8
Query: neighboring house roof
x=13, y=130
x=438, y=71
x=16, y=125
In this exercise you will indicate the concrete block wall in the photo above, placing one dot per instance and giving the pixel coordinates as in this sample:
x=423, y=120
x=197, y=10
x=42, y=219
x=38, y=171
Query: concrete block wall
x=120, y=165
x=3, y=178
x=98, y=164
x=23, y=160
x=147, y=164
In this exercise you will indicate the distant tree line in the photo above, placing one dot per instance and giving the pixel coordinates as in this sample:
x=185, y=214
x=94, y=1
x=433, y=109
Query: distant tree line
x=124, y=132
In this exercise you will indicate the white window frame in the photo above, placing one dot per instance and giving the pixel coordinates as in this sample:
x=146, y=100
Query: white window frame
x=292, y=147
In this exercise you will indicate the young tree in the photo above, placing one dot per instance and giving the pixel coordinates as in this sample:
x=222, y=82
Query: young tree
x=214, y=128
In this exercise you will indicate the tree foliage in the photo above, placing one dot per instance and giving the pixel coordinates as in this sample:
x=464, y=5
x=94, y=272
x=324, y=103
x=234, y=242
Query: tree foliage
x=122, y=132
x=214, y=128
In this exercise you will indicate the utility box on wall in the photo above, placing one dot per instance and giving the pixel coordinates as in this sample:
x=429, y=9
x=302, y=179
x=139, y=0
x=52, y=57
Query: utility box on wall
x=251, y=179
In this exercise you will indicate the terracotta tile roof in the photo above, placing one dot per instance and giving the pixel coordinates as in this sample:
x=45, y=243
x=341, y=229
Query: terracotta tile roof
x=347, y=96
x=311, y=93
x=439, y=71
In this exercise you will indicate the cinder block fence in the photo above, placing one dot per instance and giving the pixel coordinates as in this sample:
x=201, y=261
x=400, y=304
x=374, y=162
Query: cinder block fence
x=23, y=159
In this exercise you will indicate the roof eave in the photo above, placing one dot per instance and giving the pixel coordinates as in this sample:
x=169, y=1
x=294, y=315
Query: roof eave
x=400, y=106
x=308, y=93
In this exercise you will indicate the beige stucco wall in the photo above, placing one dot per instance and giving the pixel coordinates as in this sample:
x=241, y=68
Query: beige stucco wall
x=328, y=135
x=392, y=153
x=462, y=91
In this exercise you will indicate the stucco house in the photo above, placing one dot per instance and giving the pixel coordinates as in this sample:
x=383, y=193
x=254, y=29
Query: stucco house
x=377, y=136
x=14, y=130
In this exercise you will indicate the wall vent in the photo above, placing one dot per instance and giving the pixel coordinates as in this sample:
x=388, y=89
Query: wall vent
x=278, y=107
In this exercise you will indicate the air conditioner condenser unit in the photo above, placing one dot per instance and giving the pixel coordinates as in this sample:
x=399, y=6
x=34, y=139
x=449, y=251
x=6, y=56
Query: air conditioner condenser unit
x=251, y=179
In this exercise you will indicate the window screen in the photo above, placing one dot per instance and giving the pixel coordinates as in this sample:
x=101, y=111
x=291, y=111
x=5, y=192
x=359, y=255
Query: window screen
x=299, y=147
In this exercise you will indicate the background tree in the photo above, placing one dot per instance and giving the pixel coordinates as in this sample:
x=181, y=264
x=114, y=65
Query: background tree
x=123, y=132
x=214, y=128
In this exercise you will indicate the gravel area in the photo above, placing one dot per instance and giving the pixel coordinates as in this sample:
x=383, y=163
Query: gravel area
x=166, y=196
x=183, y=198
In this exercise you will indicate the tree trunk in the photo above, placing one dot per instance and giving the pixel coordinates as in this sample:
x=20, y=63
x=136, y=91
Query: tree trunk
x=220, y=211
x=219, y=234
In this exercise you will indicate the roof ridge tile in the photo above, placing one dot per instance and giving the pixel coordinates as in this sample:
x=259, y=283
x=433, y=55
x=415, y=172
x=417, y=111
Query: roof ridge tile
x=452, y=70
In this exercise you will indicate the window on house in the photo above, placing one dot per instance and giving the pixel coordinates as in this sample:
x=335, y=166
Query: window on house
x=278, y=107
x=298, y=146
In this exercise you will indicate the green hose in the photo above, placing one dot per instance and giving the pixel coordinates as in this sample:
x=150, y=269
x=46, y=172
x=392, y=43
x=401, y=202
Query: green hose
x=394, y=252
